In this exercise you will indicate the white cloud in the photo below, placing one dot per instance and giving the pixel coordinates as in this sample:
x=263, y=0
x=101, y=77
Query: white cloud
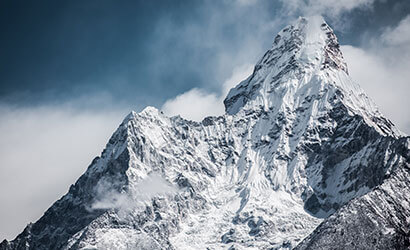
x=229, y=34
x=328, y=7
x=146, y=189
x=382, y=69
x=42, y=151
x=239, y=74
x=399, y=35
x=247, y=2
x=196, y=104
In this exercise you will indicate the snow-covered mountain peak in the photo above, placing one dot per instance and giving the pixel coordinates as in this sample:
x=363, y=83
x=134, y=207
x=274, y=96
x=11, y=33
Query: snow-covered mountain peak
x=150, y=110
x=303, y=53
x=309, y=42
x=300, y=139
x=131, y=116
x=147, y=112
x=304, y=70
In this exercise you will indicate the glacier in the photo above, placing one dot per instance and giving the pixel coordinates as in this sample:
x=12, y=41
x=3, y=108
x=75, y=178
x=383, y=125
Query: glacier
x=300, y=151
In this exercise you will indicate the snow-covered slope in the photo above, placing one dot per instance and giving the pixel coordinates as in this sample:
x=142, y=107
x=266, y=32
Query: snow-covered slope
x=299, y=140
x=377, y=220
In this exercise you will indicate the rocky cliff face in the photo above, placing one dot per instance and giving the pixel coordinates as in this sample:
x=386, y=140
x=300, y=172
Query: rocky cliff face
x=377, y=220
x=299, y=140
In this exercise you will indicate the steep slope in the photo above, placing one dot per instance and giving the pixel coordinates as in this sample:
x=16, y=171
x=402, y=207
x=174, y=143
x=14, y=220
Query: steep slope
x=299, y=140
x=377, y=220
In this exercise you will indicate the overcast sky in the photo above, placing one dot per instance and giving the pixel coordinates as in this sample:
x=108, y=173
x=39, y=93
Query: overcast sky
x=71, y=70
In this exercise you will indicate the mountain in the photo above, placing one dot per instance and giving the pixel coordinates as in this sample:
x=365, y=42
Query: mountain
x=300, y=149
x=377, y=220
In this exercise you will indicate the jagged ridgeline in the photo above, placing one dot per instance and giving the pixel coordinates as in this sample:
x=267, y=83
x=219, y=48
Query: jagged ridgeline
x=301, y=157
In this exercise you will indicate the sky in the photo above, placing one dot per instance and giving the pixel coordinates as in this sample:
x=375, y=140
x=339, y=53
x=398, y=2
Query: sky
x=70, y=71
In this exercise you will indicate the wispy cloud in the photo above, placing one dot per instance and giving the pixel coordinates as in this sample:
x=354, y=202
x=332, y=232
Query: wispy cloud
x=333, y=8
x=196, y=104
x=137, y=196
x=398, y=35
x=381, y=67
x=42, y=151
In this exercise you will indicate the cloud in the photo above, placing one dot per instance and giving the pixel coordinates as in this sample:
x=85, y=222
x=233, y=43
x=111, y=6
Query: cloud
x=239, y=74
x=222, y=35
x=42, y=151
x=381, y=67
x=399, y=35
x=196, y=104
x=247, y=2
x=329, y=7
x=337, y=12
x=149, y=187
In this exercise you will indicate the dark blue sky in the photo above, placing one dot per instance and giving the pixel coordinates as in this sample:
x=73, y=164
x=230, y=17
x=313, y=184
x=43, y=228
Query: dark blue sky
x=144, y=52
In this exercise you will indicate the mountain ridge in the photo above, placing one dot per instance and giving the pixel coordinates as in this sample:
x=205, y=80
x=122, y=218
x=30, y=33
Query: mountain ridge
x=299, y=140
